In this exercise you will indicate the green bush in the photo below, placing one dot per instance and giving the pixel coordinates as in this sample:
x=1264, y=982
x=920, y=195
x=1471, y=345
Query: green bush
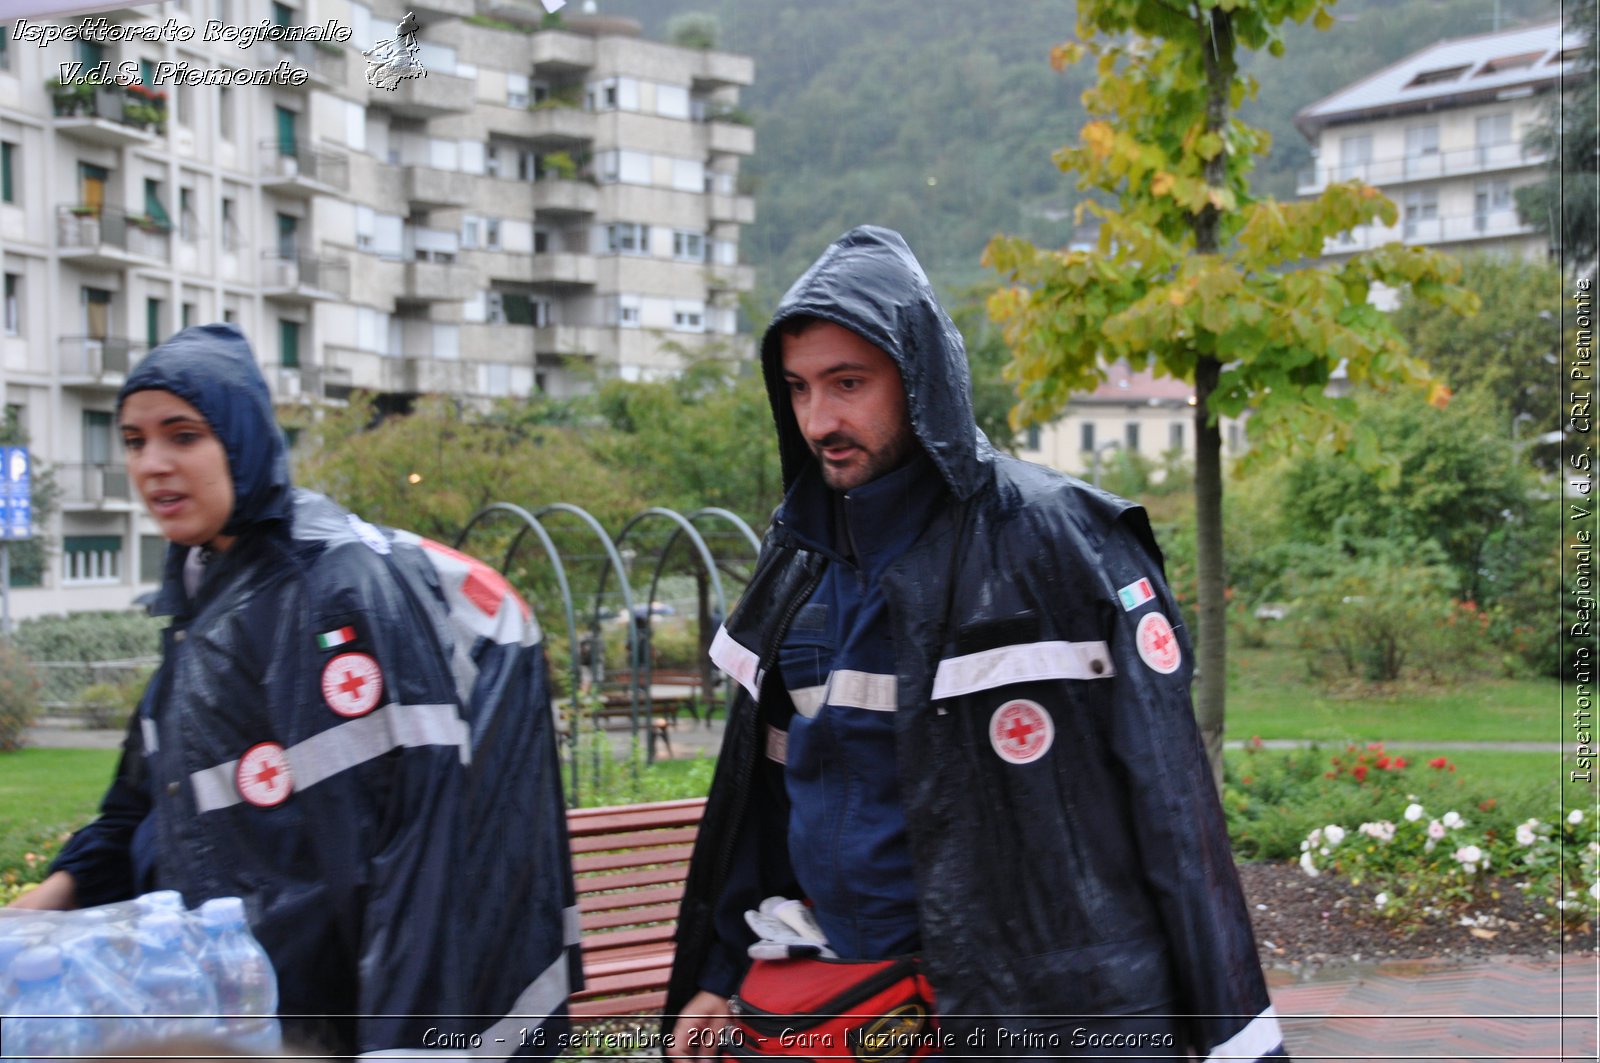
x=110, y=704
x=87, y=638
x=19, y=697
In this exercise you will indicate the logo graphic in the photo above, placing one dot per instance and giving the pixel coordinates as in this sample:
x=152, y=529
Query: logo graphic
x=1021, y=731
x=352, y=683
x=891, y=1036
x=391, y=62
x=1158, y=646
x=263, y=775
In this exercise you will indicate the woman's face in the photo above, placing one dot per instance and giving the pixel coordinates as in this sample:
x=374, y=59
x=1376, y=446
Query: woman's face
x=179, y=466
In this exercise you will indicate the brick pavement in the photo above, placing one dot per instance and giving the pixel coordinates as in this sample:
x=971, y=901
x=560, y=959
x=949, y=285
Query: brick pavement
x=1513, y=1008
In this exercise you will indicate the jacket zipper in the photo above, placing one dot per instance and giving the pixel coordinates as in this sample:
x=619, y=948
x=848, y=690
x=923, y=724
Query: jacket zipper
x=773, y=1023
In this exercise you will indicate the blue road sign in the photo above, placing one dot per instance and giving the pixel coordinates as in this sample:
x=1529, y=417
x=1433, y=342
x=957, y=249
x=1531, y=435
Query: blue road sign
x=16, y=494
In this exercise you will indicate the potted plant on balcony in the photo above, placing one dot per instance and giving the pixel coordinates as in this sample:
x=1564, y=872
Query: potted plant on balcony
x=146, y=108
x=68, y=97
x=560, y=165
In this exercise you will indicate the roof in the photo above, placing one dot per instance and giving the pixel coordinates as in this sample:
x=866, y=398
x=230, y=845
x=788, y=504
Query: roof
x=1123, y=386
x=1451, y=73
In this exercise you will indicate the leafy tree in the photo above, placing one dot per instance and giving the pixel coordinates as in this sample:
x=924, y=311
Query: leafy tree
x=1193, y=277
x=1567, y=201
x=1507, y=350
x=987, y=355
x=694, y=29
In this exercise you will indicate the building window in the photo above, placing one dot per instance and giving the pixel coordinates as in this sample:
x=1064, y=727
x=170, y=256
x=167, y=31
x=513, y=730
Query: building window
x=541, y=241
x=1494, y=139
x=154, y=209
x=288, y=236
x=491, y=233
x=13, y=307
x=152, y=322
x=1355, y=155
x=225, y=113
x=5, y=49
x=1130, y=436
x=469, y=233
x=90, y=54
x=688, y=320
x=1421, y=212
x=90, y=558
x=188, y=225
x=1086, y=436
x=8, y=180
x=189, y=313
x=517, y=90
x=1033, y=437
x=96, y=437
x=1422, y=150
x=1490, y=198
x=1175, y=436
x=282, y=14
x=152, y=558
x=628, y=311
x=688, y=246
x=289, y=344
x=230, y=229
x=627, y=238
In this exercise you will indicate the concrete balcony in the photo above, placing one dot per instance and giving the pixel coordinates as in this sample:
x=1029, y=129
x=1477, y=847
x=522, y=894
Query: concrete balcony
x=304, y=278
x=95, y=486
x=107, y=238
x=730, y=278
x=355, y=369
x=97, y=363
x=558, y=127
x=729, y=138
x=109, y=115
x=326, y=63
x=718, y=69
x=563, y=268
x=582, y=340
x=432, y=96
x=430, y=189
x=557, y=54
x=499, y=341
x=438, y=10
x=1459, y=162
x=424, y=375
x=297, y=169
x=1450, y=229
x=438, y=283
x=554, y=196
x=740, y=210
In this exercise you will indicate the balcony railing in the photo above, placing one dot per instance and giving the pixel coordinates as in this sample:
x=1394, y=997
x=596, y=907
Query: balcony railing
x=305, y=272
x=85, y=228
x=94, y=483
x=1456, y=162
x=1451, y=228
x=289, y=160
x=134, y=106
x=99, y=356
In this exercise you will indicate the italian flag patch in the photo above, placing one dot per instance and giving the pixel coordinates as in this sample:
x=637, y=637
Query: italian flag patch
x=1135, y=595
x=330, y=639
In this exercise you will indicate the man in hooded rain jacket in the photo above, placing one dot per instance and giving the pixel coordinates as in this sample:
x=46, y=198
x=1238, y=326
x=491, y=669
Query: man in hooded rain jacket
x=965, y=728
x=350, y=729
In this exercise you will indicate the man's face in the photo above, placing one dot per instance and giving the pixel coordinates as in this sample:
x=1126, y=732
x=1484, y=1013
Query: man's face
x=850, y=404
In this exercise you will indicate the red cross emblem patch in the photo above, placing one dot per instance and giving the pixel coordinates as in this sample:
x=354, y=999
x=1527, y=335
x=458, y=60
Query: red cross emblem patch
x=1158, y=644
x=1021, y=731
x=352, y=683
x=263, y=775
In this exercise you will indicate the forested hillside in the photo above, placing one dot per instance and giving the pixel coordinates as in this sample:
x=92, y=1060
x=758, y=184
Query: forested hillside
x=938, y=117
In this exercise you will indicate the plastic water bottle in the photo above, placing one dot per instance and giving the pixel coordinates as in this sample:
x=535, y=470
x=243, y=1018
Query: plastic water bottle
x=45, y=1019
x=10, y=946
x=247, y=986
x=98, y=970
x=178, y=997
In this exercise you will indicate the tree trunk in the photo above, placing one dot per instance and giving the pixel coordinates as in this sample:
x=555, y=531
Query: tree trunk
x=1211, y=655
x=1211, y=651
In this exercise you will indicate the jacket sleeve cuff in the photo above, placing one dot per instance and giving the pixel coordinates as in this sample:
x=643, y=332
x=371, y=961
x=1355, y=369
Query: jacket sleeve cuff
x=719, y=974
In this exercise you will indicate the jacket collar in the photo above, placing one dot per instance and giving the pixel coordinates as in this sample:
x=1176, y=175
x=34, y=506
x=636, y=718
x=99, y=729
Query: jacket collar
x=869, y=526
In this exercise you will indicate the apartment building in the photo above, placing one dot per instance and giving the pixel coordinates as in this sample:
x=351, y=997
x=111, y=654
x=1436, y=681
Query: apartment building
x=539, y=203
x=1443, y=133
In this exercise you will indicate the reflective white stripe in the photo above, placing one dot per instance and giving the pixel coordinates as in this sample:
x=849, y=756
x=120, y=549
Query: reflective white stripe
x=777, y=745
x=863, y=690
x=1027, y=662
x=1252, y=1042
x=151, y=734
x=808, y=700
x=737, y=661
x=343, y=747
x=572, y=925
x=532, y=1007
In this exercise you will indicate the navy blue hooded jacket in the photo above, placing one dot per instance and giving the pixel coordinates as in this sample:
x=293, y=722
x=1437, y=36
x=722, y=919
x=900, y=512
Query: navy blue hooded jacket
x=1075, y=890
x=351, y=730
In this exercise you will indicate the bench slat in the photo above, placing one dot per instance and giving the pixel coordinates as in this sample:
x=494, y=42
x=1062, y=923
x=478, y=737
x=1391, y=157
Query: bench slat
x=637, y=839
x=676, y=854
x=607, y=918
x=637, y=1004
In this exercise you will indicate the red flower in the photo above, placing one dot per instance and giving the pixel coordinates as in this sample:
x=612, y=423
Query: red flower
x=1401, y=762
x=1487, y=806
x=1383, y=763
x=1375, y=747
x=1330, y=775
x=1246, y=781
x=1360, y=772
x=1437, y=762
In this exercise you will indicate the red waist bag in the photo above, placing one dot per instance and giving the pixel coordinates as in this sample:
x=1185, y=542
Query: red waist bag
x=868, y=1011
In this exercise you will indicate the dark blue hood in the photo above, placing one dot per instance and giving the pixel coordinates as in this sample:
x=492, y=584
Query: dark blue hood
x=212, y=368
x=869, y=282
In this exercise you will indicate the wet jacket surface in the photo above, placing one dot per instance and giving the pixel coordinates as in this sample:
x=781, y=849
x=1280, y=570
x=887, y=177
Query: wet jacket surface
x=351, y=730
x=1070, y=856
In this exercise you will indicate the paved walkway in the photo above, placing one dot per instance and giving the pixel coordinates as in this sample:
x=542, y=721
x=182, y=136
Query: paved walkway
x=1510, y=1009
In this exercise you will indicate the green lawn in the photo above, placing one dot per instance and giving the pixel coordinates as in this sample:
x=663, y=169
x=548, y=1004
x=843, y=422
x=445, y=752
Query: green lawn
x=1270, y=695
x=45, y=792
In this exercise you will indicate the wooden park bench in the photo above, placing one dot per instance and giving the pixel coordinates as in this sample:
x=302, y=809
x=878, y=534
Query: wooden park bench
x=630, y=862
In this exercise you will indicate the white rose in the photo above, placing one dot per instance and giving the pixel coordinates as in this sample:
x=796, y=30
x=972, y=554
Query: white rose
x=1307, y=866
x=1452, y=820
x=1383, y=898
x=1334, y=833
x=1469, y=855
x=1525, y=834
x=1575, y=817
x=1436, y=830
x=1594, y=890
x=1413, y=813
